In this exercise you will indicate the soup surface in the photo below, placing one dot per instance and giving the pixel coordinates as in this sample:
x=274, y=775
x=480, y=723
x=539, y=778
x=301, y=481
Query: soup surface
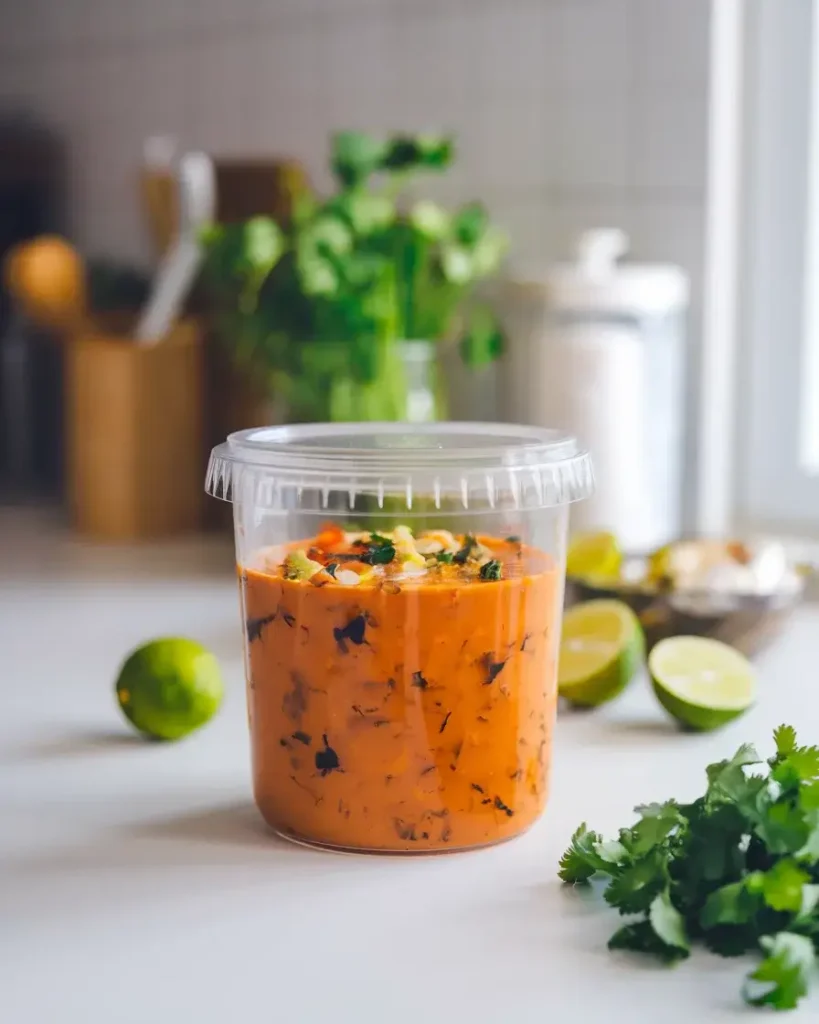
x=401, y=690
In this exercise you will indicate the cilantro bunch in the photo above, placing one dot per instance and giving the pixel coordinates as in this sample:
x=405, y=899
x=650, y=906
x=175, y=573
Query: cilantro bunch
x=737, y=869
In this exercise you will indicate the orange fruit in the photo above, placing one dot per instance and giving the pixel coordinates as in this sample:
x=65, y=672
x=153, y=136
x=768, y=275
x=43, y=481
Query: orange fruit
x=46, y=277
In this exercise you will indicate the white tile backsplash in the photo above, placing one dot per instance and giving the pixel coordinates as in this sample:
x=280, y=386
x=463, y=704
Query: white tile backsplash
x=569, y=113
x=223, y=101
x=508, y=50
x=219, y=16
x=596, y=45
x=523, y=128
x=668, y=151
x=591, y=144
x=111, y=75
x=672, y=41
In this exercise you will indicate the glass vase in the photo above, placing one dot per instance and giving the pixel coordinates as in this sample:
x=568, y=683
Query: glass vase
x=405, y=384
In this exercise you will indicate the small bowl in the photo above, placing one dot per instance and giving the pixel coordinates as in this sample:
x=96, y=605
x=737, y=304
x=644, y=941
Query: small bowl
x=748, y=622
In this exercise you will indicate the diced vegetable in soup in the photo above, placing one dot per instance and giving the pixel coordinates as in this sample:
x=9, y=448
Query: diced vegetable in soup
x=402, y=688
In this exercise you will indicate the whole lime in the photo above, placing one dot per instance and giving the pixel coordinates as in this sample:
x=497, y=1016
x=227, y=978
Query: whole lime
x=169, y=687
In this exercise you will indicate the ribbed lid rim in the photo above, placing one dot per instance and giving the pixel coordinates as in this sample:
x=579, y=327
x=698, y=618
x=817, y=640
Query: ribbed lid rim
x=521, y=466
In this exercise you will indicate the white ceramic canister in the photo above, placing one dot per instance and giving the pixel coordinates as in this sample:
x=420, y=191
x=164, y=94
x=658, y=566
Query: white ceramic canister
x=596, y=346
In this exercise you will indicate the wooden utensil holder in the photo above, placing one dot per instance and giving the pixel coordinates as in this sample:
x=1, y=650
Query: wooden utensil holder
x=134, y=430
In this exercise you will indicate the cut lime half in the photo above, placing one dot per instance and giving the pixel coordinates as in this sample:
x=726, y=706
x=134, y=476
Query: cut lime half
x=593, y=554
x=703, y=683
x=601, y=649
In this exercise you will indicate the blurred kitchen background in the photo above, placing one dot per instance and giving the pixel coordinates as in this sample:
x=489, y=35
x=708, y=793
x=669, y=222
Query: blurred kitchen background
x=687, y=131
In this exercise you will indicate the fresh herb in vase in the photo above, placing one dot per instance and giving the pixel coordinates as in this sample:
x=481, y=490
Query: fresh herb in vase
x=321, y=306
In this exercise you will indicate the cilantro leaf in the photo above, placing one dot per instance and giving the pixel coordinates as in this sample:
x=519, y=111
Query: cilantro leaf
x=380, y=550
x=796, y=770
x=753, y=799
x=809, y=796
x=635, y=886
x=668, y=922
x=782, y=978
x=640, y=937
x=657, y=823
x=469, y=544
x=655, y=810
x=781, y=887
x=730, y=940
x=730, y=904
x=805, y=761
x=809, y=852
x=581, y=860
x=807, y=911
x=710, y=851
x=644, y=836
x=783, y=829
x=612, y=851
x=796, y=767
x=726, y=779
x=785, y=740
x=491, y=570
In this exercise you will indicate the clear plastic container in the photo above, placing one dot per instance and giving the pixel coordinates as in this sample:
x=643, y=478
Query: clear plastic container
x=401, y=591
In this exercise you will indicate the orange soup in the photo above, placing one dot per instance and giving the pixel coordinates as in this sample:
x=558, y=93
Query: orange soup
x=401, y=690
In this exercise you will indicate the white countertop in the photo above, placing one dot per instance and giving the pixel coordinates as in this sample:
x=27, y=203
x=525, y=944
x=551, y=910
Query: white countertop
x=139, y=886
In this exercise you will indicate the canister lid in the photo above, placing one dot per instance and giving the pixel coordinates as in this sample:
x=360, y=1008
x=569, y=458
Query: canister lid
x=598, y=282
x=446, y=465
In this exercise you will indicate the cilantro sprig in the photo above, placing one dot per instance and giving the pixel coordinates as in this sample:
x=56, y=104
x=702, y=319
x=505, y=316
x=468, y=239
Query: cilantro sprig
x=462, y=556
x=736, y=869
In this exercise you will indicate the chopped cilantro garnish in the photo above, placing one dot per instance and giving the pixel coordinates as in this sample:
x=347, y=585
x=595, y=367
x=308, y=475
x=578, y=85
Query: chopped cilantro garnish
x=382, y=555
x=445, y=556
x=469, y=545
x=379, y=550
x=737, y=869
x=491, y=570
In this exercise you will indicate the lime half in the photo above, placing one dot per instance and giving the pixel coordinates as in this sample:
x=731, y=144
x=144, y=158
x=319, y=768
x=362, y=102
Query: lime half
x=601, y=649
x=168, y=688
x=593, y=554
x=703, y=683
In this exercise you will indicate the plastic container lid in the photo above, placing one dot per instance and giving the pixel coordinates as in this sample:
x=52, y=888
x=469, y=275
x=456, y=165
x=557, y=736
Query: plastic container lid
x=469, y=465
x=598, y=283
